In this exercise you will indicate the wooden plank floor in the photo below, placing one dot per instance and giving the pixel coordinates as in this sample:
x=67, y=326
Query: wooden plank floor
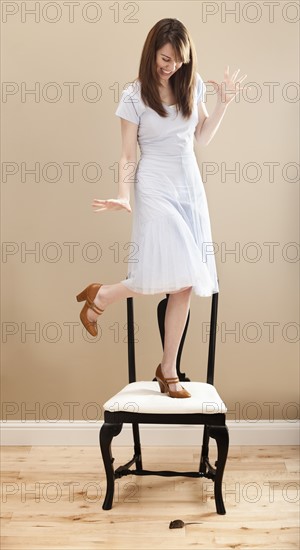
x=52, y=499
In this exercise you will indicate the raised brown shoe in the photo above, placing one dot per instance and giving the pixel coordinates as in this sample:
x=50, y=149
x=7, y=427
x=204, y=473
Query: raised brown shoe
x=89, y=294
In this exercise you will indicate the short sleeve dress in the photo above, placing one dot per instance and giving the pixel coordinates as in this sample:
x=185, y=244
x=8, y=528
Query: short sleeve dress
x=171, y=236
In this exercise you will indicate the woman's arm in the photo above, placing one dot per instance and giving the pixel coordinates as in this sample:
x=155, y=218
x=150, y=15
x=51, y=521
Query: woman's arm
x=127, y=170
x=226, y=92
x=127, y=166
x=208, y=124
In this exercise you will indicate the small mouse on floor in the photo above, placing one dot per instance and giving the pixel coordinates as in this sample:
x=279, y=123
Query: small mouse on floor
x=178, y=523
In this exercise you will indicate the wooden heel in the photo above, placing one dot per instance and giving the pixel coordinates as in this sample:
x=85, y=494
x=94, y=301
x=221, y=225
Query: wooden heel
x=82, y=296
x=162, y=386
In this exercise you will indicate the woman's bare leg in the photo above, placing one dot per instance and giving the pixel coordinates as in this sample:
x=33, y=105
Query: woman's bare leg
x=107, y=294
x=175, y=320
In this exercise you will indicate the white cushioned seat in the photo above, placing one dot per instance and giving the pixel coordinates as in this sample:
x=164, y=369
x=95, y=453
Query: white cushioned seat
x=146, y=397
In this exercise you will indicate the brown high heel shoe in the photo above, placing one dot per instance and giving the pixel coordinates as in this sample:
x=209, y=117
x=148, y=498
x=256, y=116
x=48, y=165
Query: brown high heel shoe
x=89, y=294
x=164, y=384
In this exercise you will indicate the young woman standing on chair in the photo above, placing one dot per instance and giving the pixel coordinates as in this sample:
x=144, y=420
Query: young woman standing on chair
x=163, y=111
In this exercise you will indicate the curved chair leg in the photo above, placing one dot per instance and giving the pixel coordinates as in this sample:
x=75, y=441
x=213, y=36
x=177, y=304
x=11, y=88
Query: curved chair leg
x=220, y=434
x=137, y=446
x=205, y=449
x=107, y=432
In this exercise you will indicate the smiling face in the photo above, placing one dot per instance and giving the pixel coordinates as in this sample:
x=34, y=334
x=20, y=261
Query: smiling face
x=166, y=62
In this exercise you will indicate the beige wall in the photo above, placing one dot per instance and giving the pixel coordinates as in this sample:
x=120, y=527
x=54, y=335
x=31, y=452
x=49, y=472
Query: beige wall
x=57, y=370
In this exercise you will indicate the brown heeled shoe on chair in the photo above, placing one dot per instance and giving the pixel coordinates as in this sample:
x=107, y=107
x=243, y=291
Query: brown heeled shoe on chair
x=164, y=384
x=89, y=294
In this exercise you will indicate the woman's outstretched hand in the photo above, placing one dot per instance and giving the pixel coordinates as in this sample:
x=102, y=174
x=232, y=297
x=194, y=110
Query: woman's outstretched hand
x=111, y=204
x=229, y=88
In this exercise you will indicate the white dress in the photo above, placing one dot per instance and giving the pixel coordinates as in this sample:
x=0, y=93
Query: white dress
x=171, y=233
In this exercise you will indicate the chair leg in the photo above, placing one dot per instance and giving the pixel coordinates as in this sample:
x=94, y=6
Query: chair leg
x=137, y=447
x=204, y=453
x=220, y=434
x=107, y=432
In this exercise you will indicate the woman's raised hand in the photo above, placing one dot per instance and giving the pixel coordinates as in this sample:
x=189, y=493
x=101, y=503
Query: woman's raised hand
x=111, y=204
x=229, y=88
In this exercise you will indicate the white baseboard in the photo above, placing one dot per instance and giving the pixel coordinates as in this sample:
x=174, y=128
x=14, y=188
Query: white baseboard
x=65, y=433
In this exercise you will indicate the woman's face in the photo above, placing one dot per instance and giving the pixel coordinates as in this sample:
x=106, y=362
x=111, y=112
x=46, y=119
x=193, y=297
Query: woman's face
x=166, y=62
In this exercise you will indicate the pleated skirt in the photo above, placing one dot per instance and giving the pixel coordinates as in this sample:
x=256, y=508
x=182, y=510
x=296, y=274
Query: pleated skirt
x=171, y=239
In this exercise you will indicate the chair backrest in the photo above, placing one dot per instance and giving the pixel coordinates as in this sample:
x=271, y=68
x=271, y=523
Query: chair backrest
x=161, y=309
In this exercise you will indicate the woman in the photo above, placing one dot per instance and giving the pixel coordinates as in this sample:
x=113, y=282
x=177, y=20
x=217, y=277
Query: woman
x=162, y=111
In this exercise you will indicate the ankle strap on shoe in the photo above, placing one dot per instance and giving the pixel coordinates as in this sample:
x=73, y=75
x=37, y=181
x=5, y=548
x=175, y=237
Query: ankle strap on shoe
x=172, y=380
x=94, y=307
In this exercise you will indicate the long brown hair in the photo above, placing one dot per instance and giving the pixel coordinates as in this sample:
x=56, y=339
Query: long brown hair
x=183, y=81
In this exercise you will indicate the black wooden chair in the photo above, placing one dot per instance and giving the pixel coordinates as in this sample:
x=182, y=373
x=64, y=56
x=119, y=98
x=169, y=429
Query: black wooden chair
x=141, y=402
